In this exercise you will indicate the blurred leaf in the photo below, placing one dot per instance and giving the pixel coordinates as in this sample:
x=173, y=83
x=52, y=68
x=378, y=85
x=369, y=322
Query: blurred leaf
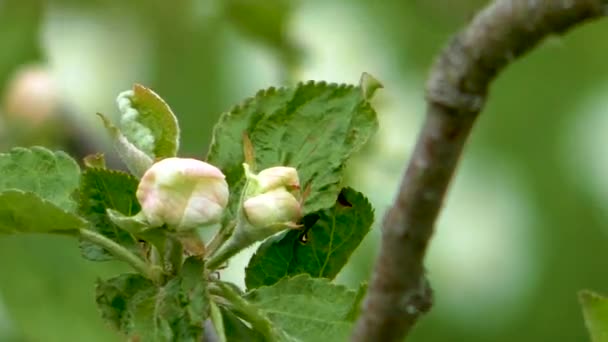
x=174, y=312
x=102, y=189
x=356, y=307
x=217, y=321
x=308, y=309
x=25, y=212
x=314, y=127
x=148, y=122
x=19, y=34
x=53, y=176
x=264, y=21
x=595, y=311
x=321, y=249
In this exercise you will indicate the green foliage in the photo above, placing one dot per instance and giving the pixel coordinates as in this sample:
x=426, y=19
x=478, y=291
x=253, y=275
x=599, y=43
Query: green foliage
x=595, y=311
x=307, y=309
x=148, y=122
x=100, y=190
x=314, y=127
x=53, y=176
x=24, y=212
x=236, y=330
x=135, y=159
x=266, y=22
x=144, y=311
x=323, y=247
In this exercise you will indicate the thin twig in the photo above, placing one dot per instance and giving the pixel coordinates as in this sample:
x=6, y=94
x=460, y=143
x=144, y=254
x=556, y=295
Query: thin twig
x=149, y=271
x=456, y=91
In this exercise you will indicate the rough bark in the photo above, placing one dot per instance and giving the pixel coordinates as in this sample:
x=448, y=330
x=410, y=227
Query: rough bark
x=456, y=91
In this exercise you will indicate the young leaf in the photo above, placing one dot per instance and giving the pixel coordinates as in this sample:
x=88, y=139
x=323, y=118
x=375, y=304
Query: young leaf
x=53, y=176
x=314, y=127
x=595, y=311
x=306, y=308
x=320, y=249
x=135, y=159
x=103, y=189
x=115, y=297
x=174, y=312
x=148, y=122
x=25, y=212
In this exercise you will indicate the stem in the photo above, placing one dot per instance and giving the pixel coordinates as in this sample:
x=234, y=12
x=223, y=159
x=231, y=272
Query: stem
x=238, y=241
x=120, y=252
x=248, y=312
x=218, y=240
x=456, y=91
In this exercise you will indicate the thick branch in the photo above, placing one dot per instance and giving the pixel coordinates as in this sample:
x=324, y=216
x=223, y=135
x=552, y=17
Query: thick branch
x=456, y=91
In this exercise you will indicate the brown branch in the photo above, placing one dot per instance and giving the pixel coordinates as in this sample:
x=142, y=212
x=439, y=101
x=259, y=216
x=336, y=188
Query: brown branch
x=456, y=91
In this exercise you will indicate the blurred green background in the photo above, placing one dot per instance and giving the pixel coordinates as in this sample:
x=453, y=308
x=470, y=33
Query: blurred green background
x=524, y=227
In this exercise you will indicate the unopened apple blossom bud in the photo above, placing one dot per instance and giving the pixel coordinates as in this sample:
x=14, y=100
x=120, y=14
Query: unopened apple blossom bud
x=182, y=193
x=278, y=177
x=277, y=206
x=270, y=199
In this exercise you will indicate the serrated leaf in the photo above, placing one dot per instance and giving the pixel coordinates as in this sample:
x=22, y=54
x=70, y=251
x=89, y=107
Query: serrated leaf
x=143, y=311
x=114, y=296
x=307, y=309
x=103, y=189
x=321, y=249
x=25, y=212
x=148, y=122
x=53, y=176
x=595, y=311
x=314, y=127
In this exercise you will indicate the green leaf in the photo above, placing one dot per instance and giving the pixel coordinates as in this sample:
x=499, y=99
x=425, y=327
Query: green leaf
x=321, y=249
x=307, y=309
x=139, y=309
x=314, y=127
x=218, y=321
x=264, y=21
x=25, y=212
x=136, y=160
x=236, y=330
x=148, y=122
x=595, y=311
x=53, y=176
x=115, y=296
x=103, y=189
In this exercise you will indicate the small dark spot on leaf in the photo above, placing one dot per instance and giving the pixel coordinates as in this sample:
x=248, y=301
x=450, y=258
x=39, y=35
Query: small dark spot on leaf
x=343, y=201
x=310, y=220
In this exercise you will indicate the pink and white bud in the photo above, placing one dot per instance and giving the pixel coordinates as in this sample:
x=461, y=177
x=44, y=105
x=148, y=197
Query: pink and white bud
x=270, y=199
x=182, y=193
x=278, y=177
x=274, y=207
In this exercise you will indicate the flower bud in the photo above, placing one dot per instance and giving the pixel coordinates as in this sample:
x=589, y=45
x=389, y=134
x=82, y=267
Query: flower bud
x=269, y=198
x=278, y=177
x=277, y=206
x=183, y=193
